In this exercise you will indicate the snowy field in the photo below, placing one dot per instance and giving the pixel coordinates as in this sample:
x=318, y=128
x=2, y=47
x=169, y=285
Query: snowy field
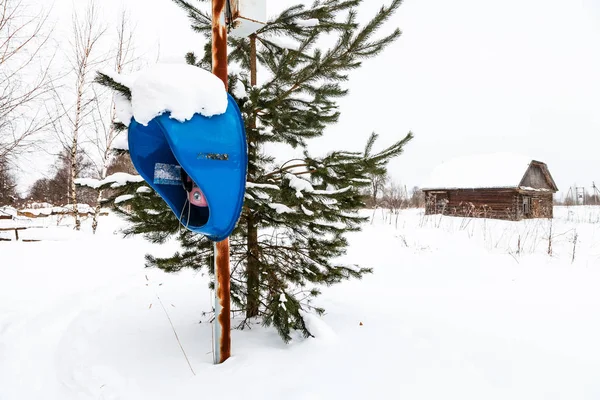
x=456, y=309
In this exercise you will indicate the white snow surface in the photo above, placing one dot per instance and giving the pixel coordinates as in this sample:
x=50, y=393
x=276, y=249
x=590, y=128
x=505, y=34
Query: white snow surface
x=299, y=184
x=121, y=142
x=534, y=189
x=361, y=180
x=252, y=185
x=123, y=198
x=117, y=179
x=494, y=170
x=282, y=300
x=262, y=195
x=143, y=189
x=306, y=210
x=81, y=209
x=239, y=91
x=90, y=182
x=450, y=312
x=124, y=113
x=8, y=210
x=302, y=185
x=284, y=42
x=333, y=191
x=308, y=23
x=180, y=89
x=280, y=208
x=19, y=222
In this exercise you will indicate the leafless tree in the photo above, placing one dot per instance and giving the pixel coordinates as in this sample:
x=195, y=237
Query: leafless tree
x=417, y=198
x=85, y=57
x=394, y=199
x=378, y=182
x=25, y=78
x=8, y=192
x=104, y=117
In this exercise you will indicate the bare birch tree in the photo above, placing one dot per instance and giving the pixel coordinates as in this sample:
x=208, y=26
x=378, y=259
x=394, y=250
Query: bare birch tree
x=105, y=132
x=24, y=76
x=85, y=57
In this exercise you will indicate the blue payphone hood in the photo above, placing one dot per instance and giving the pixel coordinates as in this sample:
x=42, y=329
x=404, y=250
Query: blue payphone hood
x=212, y=151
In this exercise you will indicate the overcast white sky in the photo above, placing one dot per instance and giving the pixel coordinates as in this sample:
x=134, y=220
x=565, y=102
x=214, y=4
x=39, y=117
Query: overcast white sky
x=467, y=76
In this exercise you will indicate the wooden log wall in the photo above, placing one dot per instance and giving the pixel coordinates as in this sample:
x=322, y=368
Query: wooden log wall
x=478, y=203
x=489, y=203
x=542, y=205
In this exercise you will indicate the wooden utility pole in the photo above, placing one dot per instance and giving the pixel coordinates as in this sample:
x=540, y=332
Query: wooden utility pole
x=222, y=323
x=253, y=265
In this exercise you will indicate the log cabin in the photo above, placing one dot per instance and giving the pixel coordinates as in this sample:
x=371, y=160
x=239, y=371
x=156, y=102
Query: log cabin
x=500, y=186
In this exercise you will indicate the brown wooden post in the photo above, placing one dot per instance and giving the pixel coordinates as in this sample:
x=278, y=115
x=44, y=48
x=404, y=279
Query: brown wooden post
x=222, y=323
x=252, y=265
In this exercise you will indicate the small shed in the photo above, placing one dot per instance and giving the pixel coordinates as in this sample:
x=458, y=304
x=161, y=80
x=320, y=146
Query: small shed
x=500, y=185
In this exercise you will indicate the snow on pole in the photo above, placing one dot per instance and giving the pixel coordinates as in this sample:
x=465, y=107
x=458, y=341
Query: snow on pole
x=222, y=323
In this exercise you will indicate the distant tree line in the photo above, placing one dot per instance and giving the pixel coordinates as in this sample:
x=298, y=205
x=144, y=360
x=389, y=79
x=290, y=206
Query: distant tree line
x=385, y=193
x=55, y=189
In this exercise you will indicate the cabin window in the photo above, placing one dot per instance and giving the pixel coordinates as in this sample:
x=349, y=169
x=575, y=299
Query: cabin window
x=526, y=205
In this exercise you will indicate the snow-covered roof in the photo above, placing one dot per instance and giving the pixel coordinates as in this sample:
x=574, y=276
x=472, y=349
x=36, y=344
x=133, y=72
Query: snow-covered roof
x=496, y=170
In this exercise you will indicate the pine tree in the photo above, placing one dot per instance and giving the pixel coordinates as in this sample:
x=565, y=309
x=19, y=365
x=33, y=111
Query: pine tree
x=292, y=230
